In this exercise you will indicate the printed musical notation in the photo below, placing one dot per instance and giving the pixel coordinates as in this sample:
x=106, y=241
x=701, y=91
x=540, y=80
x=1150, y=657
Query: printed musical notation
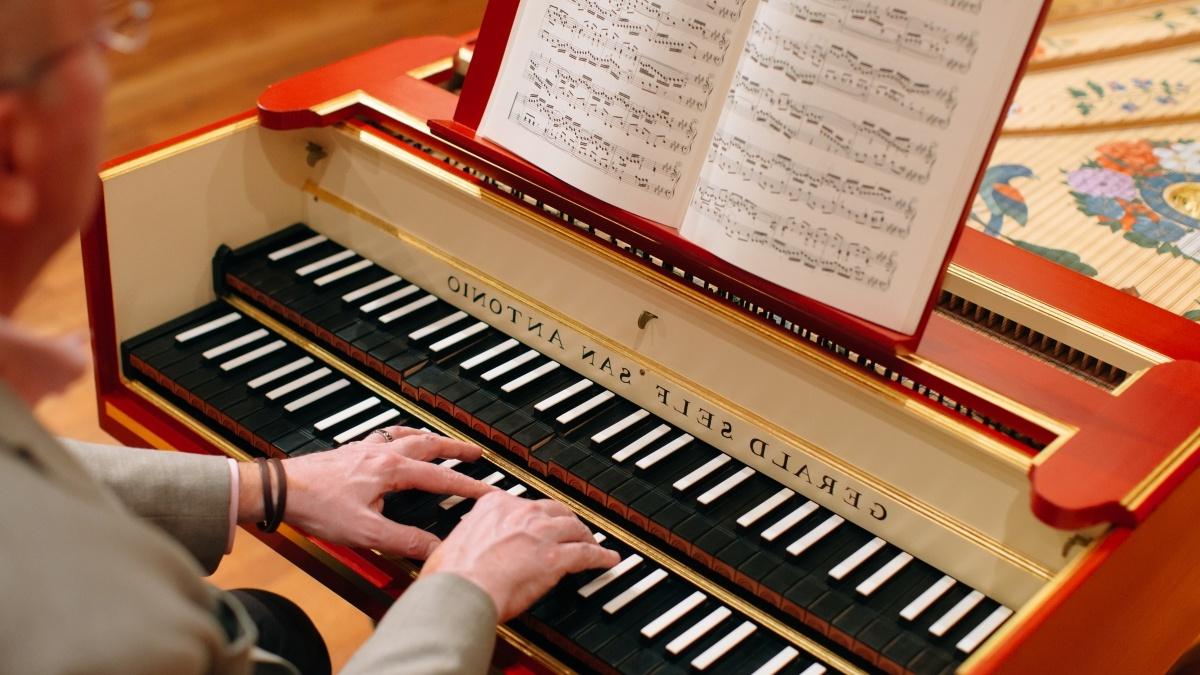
x=625, y=64
x=816, y=247
x=619, y=37
x=862, y=142
x=655, y=127
x=730, y=10
x=562, y=131
x=827, y=193
x=891, y=25
x=972, y=6
x=714, y=40
x=816, y=62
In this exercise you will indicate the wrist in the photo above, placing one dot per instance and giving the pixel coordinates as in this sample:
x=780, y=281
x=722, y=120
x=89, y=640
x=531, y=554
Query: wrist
x=250, y=493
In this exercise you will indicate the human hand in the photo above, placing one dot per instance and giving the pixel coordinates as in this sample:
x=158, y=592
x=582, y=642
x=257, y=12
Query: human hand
x=338, y=495
x=517, y=549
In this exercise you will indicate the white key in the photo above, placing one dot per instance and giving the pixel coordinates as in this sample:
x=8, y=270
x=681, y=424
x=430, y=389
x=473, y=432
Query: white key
x=814, y=535
x=361, y=430
x=599, y=537
x=343, y=415
x=517, y=490
x=371, y=288
x=408, y=309
x=488, y=355
x=664, y=621
x=451, y=340
x=288, y=388
x=434, y=327
x=509, y=365
x=267, y=378
x=343, y=273
x=205, y=328
x=637, y=445
x=389, y=298
x=236, y=343
x=454, y=500
x=778, y=662
x=857, y=558
x=955, y=614
x=548, y=403
x=450, y=463
x=701, y=473
x=814, y=669
x=773, y=502
x=513, y=385
x=927, y=598
x=316, y=395
x=610, y=575
x=626, y=422
x=253, y=355
x=325, y=262
x=634, y=592
x=717, y=491
x=883, y=574
x=702, y=627
x=723, y=646
x=789, y=521
x=663, y=452
x=280, y=254
x=582, y=408
x=979, y=633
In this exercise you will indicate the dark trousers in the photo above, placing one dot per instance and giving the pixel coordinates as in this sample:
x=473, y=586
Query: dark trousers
x=284, y=629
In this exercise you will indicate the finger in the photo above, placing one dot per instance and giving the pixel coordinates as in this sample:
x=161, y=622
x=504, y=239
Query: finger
x=576, y=557
x=426, y=446
x=437, y=480
x=402, y=540
x=553, y=508
x=565, y=529
x=396, y=433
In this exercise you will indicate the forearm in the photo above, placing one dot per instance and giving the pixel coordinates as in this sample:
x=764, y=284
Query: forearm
x=186, y=495
x=442, y=624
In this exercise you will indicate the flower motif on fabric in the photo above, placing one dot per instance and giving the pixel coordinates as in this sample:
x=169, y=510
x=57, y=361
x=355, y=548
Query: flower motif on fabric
x=1148, y=190
x=1130, y=96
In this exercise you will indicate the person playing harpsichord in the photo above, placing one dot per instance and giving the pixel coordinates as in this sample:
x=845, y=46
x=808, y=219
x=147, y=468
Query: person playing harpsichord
x=103, y=547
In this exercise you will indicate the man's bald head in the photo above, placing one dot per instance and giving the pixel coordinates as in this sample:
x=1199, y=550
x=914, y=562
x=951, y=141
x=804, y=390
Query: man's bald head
x=31, y=29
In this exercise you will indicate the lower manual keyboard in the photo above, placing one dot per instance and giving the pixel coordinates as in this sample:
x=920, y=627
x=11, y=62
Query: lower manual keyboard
x=863, y=592
x=638, y=617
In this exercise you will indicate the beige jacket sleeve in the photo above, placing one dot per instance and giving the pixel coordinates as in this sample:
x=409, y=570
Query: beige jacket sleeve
x=442, y=624
x=185, y=495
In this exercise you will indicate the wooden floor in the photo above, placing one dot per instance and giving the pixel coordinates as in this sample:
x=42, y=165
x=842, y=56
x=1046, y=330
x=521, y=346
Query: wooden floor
x=209, y=59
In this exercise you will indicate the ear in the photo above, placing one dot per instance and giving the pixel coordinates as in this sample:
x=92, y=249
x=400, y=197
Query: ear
x=17, y=194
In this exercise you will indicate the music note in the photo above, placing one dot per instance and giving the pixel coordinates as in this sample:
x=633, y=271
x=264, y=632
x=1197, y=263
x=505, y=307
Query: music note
x=862, y=141
x=891, y=25
x=818, y=62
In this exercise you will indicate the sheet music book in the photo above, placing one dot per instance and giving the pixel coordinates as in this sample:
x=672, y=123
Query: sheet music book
x=828, y=146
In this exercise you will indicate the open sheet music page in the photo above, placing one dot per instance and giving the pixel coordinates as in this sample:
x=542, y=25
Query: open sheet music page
x=618, y=97
x=851, y=136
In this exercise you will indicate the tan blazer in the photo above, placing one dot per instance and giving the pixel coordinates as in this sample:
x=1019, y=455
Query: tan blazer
x=90, y=584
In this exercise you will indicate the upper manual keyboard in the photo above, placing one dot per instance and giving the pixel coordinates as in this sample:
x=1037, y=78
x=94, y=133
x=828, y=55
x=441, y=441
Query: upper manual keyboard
x=858, y=589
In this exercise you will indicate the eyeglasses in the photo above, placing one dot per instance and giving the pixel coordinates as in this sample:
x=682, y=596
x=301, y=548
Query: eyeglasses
x=124, y=28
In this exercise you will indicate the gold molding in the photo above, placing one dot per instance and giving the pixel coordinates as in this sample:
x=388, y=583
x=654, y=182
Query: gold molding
x=1146, y=487
x=1034, y=605
x=507, y=633
x=991, y=448
x=177, y=148
x=430, y=69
